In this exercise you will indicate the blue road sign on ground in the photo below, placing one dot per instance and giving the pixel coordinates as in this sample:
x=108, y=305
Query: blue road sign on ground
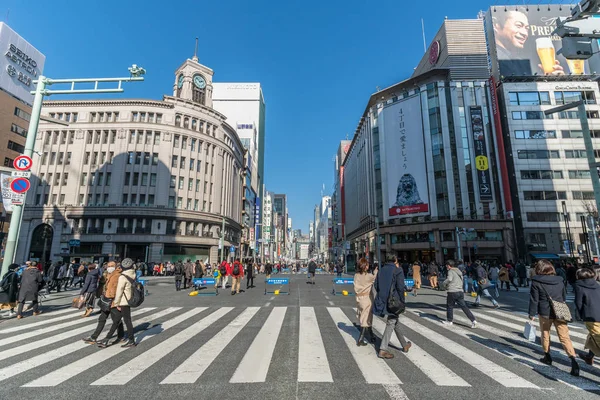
x=272, y=283
x=341, y=284
x=205, y=286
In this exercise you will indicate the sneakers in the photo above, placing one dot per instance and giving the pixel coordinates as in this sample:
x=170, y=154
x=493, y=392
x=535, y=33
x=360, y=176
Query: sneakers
x=473, y=324
x=385, y=354
x=130, y=343
x=447, y=323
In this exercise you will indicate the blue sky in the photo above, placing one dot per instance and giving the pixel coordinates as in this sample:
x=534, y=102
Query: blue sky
x=318, y=61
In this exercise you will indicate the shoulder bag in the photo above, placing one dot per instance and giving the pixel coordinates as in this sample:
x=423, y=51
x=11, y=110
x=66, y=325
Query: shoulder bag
x=394, y=305
x=561, y=309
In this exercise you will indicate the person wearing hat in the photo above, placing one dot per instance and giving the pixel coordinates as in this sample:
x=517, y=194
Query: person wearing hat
x=120, y=309
x=31, y=281
x=9, y=287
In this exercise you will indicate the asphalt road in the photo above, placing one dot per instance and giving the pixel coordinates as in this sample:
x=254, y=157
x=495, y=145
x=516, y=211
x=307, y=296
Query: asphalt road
x=296, y=346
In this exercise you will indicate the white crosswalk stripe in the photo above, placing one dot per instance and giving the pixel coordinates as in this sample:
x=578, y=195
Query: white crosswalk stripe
x=44, y=320
x=205, y=333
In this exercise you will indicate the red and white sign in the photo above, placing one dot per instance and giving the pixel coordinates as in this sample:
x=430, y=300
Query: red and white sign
x=434, y=52
x=23, y=163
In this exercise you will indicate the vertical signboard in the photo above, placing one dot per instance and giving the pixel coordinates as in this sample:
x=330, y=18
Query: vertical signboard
x=257, y=221
x=520, y=42
x=482, y=164
x=407, y=191
x=9, y=197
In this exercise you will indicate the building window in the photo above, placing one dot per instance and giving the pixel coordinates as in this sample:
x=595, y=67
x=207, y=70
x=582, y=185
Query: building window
x=136, y=179
x=156, y=137
x=575, y=154
x=529, y=98
x=108, y=178
x=132, y=135
x=83, y=179
x=197, y=185
x=571, y=114
x=570, y=97
x=125, y=198
x=176, y=139
x=179, y=202
x=572, y=134
x=127, y=178
x=544, y=195
x=541, y=174
x=154, y=158
x=52, y=158
x=182, y=163
x=22, y=114
x=579, y=174
x=190, y=184
x=113, y=137
x=192, y=161
x=198, y=95
x=535, y=134
x=173, y=181
x=65, y=179
x=18, y=130
x=174, y=162
x=158, y=118
x=150, y=199
x=544, y=217
x=15, y=146
x=583, y=195
x=146, y=158
x=144, y=179
x=152, y=180
x=138, y=158
x=171, y=203
x=180, y=186
x=538, y=154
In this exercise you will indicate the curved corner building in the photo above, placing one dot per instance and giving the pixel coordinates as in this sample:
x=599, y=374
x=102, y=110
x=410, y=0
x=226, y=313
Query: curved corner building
x=145, y=179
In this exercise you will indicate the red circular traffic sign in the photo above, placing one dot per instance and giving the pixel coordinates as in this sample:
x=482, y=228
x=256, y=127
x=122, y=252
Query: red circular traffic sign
x=23, y=163
x=20, y=185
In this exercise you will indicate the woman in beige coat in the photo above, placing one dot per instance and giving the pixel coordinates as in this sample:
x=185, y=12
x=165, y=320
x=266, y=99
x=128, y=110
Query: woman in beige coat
x=363, y=285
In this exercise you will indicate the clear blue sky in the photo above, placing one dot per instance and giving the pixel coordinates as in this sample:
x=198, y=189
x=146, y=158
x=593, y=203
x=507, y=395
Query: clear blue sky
x=318, y=61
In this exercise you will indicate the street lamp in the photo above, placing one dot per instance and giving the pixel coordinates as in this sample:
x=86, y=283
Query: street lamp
x=41, y=90
x=463, y=231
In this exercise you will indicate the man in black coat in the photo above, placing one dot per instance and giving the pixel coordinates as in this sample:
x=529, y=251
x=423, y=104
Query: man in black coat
x=312, y=270
x=31, y=281
x=9, y=287
x=178, y=272
x=249, y=274
x=390, y=282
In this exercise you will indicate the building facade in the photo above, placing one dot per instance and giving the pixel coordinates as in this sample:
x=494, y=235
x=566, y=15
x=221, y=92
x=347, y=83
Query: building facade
x=151, y=180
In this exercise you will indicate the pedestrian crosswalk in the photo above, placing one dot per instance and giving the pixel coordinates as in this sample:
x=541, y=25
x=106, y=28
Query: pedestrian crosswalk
x=182, y=346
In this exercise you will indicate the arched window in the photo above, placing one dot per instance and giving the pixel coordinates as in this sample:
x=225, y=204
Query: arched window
x=186, y=123
x=198, y=95
x=194, y=124
x=178, y=120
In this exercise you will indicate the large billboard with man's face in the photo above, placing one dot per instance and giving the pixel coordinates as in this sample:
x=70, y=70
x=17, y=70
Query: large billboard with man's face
x=521, y=43
x=406, y=171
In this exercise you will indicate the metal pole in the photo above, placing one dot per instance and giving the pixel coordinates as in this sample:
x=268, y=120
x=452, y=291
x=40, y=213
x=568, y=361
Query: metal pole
x=378, y=240
x=587, y=240
x=589, y=150
x=566, y=217
x=458, y=245
x=222, y=238
x=17, y=213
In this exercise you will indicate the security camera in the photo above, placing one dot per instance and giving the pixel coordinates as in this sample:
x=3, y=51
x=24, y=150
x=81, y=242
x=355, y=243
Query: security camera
x=136, y=71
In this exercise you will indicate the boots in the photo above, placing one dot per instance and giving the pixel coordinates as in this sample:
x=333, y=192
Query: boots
x=361, y=339
x=588, y=358
x=547, y=359
x=371, y=334
x=574, y=366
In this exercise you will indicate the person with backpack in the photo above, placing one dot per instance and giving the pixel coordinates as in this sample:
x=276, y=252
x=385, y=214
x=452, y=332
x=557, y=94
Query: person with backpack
x=224, y=270
x=390, y=301
x=120, y=307
x=178, y=273
x=237, y=273
x=249, y=274
x=456, y=296
x=31, y=282
x=312, y=270
x=9, y=287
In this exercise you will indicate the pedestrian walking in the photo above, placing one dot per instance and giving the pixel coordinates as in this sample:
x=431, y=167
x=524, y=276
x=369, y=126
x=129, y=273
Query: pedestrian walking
x=188, y=269
x=88, y=292
x=105, y=302
x=178, y=273
x=547, y=288
x=455, y=294
x=416, y=274
x=390, y=284
x=249, y=274
x=237, y=273
x=268, y=270
x=9, y=288
x=312, y=270
x=31, y=282
x=587, y=300
x=363, y=285
x=433, y=275
x=483, y=286
x=521, y=270
x=120, y=309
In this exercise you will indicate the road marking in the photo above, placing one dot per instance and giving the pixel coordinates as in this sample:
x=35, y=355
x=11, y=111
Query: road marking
x=61, y=375
x=126, y=372
x=331, y=303
x=53, y=355
x=374, y=369
x=198, y=363
x=327, y=297
x=435, y=370
x=272, y=298
x=13, y=351
x=482, y=364
x=312, y=359
x=255, y=364
x=395, y=392
x=45, y=321
x=267, y=304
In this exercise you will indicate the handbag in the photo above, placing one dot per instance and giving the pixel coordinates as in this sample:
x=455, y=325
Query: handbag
x=104, y=303
x=394, y=305
x=529, y=331
x=561, y=309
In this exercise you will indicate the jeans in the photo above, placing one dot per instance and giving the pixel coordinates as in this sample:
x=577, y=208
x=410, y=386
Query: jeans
x=457, y=298
x=392, y=324
x=249, y=281
x=466, y=284
x=177, y=284
x=487, y=294
x=101, y=322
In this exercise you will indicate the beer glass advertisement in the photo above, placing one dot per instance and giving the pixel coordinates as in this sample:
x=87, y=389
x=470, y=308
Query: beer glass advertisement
x=407, y=191
x=520, y=42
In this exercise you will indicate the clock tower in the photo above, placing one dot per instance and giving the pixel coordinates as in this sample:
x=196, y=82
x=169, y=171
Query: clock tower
x=193, y=82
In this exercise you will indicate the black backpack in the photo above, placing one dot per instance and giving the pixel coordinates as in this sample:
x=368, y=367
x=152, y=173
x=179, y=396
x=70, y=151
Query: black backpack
x=5, y=284
x=223, y=270
x=236, y=269
x=138, y=292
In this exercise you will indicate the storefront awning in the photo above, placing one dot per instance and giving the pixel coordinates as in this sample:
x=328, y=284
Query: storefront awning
x=549, y=256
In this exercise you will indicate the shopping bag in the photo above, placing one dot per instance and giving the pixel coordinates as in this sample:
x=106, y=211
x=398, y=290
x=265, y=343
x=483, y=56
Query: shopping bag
x=529, y=331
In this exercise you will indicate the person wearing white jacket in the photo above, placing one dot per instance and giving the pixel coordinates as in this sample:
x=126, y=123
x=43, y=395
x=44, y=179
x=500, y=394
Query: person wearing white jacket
x=120, y=306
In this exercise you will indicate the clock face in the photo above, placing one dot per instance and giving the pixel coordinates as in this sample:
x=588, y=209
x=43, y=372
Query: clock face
x=180, y=81
x=199, y=82
x=434, y=52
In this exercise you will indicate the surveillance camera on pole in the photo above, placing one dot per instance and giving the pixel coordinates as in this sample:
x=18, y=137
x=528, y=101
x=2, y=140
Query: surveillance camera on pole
x=578, y=30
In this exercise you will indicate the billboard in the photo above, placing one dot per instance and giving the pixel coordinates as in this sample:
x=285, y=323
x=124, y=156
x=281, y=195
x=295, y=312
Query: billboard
x=406, y=171
x=20, y=64
x=520, y=42
x=482, y=164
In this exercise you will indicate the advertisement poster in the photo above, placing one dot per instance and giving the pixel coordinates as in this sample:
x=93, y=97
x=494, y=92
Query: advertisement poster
x=8, y=196
x=521, y=43
x=482, y=164
x=408, y=193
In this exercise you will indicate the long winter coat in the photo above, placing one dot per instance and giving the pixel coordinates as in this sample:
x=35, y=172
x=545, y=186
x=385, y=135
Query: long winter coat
x=587, y=299
x=124, y=291
x=31, y=280
x=91, y=281
x=543, y=286
x=383, y=285
x=363, y=283
x=10, y=296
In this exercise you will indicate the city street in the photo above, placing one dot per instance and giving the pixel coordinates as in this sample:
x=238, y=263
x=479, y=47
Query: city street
x=296, y=346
